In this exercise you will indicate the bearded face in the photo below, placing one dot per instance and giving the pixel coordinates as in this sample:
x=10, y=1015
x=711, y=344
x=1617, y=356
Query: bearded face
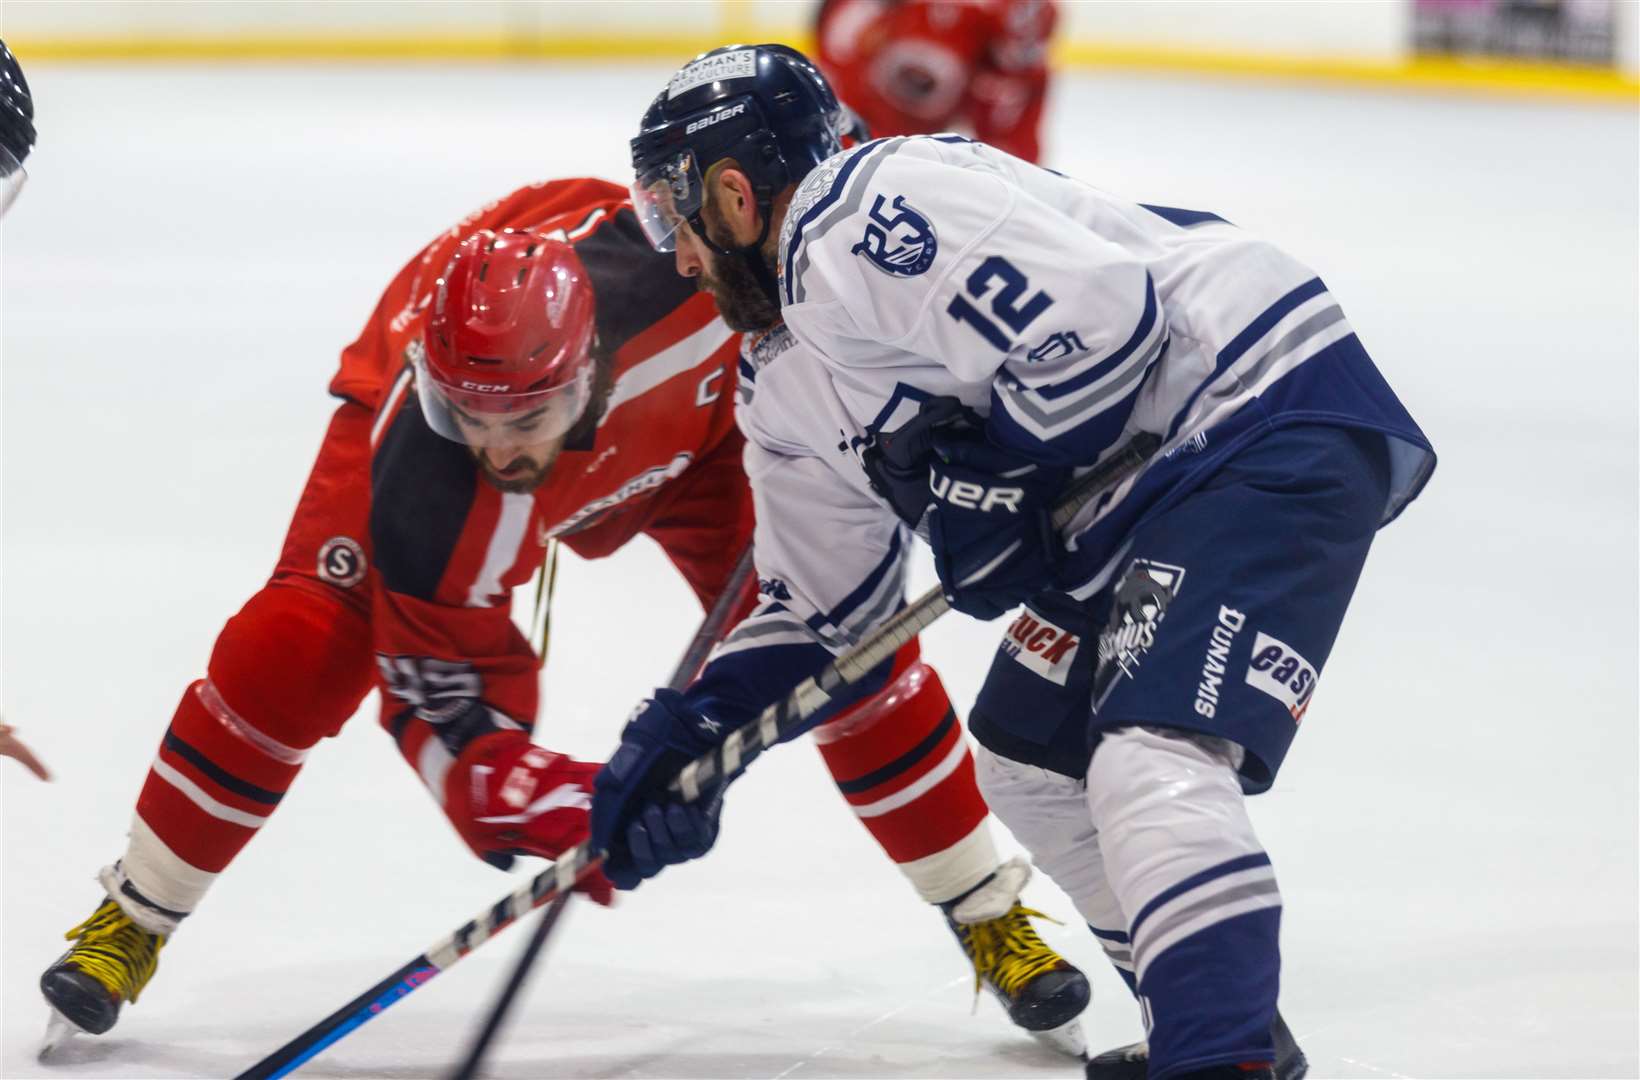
x=518, y=470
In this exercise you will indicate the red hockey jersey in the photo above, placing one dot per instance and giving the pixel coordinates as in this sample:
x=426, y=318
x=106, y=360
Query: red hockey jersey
x=912, y=67
x=662, y=458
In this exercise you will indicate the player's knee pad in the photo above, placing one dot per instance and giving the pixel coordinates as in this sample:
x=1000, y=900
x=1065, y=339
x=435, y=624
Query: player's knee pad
x=1165, y=803
x=1141, y=772
x=1199, y=893
x=294, y=663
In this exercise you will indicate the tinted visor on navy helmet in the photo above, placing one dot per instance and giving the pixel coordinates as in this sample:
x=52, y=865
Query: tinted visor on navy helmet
x=666, y=195
x=671, y=189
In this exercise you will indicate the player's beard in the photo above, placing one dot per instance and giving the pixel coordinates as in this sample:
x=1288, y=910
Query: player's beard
x=523, y=473
x=736, y=286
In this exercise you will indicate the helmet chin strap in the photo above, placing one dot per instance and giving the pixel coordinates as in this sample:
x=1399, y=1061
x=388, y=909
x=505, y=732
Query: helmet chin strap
x=751, y=254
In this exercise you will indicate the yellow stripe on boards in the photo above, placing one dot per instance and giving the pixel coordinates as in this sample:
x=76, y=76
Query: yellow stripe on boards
x=1508, y=77
x=1483, y=76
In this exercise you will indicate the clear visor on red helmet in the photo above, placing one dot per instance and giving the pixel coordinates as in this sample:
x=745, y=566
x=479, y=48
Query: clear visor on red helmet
x=12, y=177
x=666, y=195
x=492, y=415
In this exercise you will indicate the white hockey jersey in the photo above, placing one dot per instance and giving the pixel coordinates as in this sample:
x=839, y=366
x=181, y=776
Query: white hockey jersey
x=1073, y=320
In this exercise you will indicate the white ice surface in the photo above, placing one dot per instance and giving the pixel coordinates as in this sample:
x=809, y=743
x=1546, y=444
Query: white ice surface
x=1455, y=831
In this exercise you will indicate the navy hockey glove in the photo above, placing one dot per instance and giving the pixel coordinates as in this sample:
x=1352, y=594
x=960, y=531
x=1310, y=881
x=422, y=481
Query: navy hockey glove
x=640, y=826
x=897, y=461
x=991, y=522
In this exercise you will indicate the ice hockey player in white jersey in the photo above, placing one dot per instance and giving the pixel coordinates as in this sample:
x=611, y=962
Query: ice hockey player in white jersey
x=951, y=336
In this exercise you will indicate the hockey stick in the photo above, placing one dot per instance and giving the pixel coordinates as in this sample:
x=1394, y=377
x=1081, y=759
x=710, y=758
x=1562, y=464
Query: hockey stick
x=711, y=629
x=553, y=883
x=744, y=744
x=784, y=717
x=468, y=1069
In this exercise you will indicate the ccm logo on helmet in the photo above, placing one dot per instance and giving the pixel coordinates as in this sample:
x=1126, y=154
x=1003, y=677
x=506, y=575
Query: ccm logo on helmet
x=708, y=121
x=483, y=387
x=971, y=496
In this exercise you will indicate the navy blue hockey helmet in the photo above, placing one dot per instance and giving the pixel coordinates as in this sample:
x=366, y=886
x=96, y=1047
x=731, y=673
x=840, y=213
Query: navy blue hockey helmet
x=766, y=106
x=16, y=126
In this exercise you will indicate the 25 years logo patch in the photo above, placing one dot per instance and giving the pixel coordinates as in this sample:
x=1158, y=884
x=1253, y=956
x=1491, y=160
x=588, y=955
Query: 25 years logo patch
x=900, y=243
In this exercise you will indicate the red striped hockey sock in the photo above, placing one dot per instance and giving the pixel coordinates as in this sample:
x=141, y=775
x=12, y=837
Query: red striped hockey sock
x=290, y=668
x=902, y=762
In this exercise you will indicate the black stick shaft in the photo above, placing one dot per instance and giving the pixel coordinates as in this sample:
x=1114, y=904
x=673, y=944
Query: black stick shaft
x=711, y=629
x=503, y=1005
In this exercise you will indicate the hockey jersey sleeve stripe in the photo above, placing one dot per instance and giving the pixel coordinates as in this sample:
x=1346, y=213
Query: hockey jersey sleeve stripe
x=1267, y=321
x=1185, y=219
x=669, y=363
x=1232, y=383
x=889, y=600
x=870, y=587
x=1079, y=443
x=1076, y=417
x=1143, y=333
x=433, y=763
x=759, y=631
x=735, y=688
x=865, y=161
x=384, y=415
x=844, y=630
x=1049, y=420
x=877, y=597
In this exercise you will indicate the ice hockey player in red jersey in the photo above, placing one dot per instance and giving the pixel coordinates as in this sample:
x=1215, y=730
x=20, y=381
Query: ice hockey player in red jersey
x=536, y=374
x=915, y=67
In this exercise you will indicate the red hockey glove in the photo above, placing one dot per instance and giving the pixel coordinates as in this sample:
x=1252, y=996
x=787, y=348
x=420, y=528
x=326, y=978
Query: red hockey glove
x=507, y=797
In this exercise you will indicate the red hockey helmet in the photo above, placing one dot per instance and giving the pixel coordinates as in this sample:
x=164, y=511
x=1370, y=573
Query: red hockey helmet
x=508, y=356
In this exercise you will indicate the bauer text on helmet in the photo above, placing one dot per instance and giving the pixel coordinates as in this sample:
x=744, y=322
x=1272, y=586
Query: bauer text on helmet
x=765, y=106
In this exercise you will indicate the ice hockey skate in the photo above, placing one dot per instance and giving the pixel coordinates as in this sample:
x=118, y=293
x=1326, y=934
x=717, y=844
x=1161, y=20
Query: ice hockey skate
x=111, y=961
x=1041, y=990
x=1132, y=1062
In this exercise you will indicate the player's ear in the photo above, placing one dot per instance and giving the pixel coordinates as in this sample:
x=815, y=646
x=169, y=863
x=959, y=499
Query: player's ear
x=737, y=189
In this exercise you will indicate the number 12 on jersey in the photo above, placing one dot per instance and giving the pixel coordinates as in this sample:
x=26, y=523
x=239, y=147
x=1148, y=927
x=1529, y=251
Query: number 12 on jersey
x=1005, y=302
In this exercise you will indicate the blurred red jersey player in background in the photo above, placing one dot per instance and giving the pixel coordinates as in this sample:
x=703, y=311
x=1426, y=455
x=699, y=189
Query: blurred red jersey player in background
x=911, y=67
